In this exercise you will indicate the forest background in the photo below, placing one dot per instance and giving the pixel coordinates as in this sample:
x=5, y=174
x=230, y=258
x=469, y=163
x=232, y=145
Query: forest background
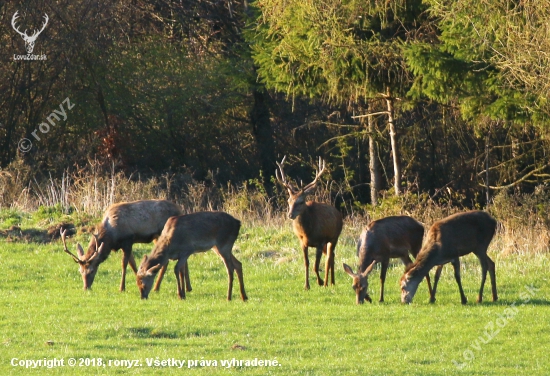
x=443, y=100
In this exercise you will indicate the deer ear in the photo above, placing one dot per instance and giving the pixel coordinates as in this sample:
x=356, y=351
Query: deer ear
x=348, y=270
x=369, y=269
x=79, y=251
x=153, y=269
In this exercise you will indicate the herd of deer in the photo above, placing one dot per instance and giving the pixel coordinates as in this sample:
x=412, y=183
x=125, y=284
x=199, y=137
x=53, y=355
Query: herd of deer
x=178, y=236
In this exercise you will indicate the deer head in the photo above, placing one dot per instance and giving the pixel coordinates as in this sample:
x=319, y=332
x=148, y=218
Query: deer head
x=297, y=197
x=29, y=40
x=88, y=267
x=408, y=288
x=360, y=283
x=146, y=276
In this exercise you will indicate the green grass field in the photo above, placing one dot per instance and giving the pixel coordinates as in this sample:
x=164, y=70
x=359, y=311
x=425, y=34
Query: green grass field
x=45, y=314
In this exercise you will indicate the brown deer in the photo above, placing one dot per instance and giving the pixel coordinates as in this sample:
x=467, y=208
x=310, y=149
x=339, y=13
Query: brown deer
x=188, y=234
x=123, y=225
x=447, y=240
x=390, y=237
x=315, y=224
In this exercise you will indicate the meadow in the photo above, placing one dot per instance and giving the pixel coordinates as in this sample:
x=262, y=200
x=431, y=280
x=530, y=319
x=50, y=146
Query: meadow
x=45, y=313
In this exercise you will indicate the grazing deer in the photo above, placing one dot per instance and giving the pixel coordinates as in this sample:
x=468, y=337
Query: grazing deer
x=315, y=224
x=447, y=240
x=188, y=234
x=123, y=225
x=390, y=237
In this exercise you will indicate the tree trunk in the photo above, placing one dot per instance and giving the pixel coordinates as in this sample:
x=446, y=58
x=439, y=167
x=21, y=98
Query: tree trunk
x=394, y=145
x=374, y=165
x=261, y=126
x=487, y=192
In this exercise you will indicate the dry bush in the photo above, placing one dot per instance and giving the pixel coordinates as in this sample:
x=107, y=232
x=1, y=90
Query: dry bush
x=524, y=219
x=524, y=222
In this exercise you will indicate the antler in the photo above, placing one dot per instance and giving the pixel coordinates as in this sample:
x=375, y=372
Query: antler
x=97, y=249
x=282, y=178
x=15, y=17
x=320, y=171
x=36, y=32
x=75, y=258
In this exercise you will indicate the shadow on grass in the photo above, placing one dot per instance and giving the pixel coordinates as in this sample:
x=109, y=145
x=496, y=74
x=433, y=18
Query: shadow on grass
x=519, y=303
x=503, y=303
x=151, y=333
x=158, y=333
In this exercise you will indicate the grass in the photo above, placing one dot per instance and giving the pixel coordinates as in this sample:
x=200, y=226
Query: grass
x=45, y=314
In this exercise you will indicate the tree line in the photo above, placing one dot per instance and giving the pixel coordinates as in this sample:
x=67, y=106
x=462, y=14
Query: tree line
x=443, y=97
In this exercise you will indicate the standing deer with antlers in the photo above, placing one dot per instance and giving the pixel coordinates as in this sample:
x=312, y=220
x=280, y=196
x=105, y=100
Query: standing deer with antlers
x=29, y=40
x=315, y=224
x=123, y=225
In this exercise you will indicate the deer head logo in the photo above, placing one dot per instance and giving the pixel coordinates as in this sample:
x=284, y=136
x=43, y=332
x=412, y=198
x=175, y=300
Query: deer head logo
x=29, y=40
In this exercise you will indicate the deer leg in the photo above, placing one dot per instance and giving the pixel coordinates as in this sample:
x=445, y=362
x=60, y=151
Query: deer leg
x=491, y=266
x=318, y=255
x=132, y=262
x=430, y=285
x=188, y=287
x=126, y=255
x=227, y=260
x=239, y=269
x=331, y=254
x=484, y=261
x=385, y=263
x=456, y=266
x=177, y=270
x=406, y=260
x=181, y=276
x=306, y=263
x=484, y=268
x=160, y=276
x=328, y=263
x=436, y=281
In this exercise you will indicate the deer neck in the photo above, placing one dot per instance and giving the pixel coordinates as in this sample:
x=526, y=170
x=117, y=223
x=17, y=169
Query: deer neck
x=161, y=254
x=304, y=222
x=422, y=266
x=365, y=260
x=104, y=239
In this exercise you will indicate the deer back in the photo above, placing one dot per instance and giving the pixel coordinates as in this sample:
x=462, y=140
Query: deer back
x=318, y=223
x=454, y=236
x=460, y=234
x=389, y=237
x=196, y=232
x=132, y=222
